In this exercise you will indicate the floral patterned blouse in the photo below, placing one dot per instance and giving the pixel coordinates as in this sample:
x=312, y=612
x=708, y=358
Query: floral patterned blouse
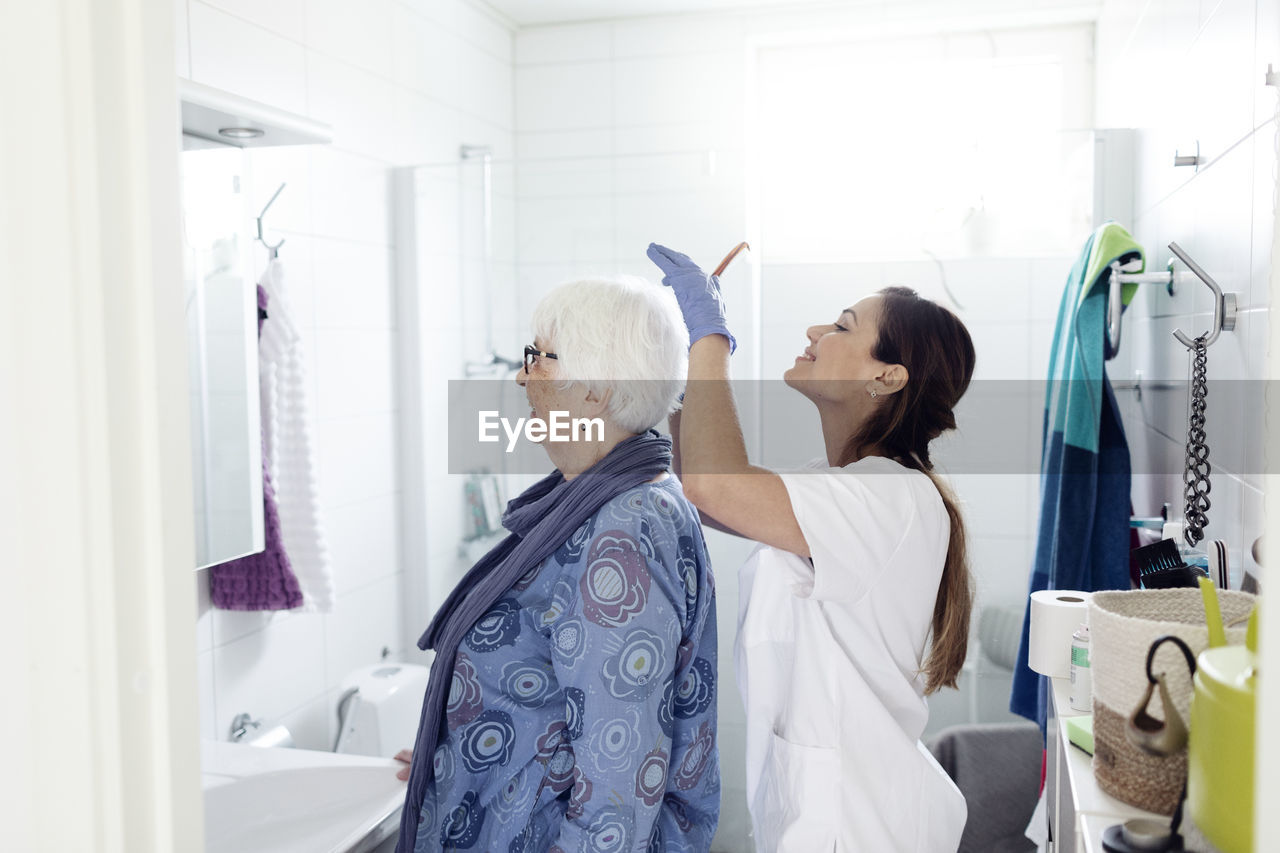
x=582, y=711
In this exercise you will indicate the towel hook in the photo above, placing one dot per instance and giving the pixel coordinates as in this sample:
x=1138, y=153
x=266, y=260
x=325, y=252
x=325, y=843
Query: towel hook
x=1224, y=304
x=1120, y=275
x=274, y=250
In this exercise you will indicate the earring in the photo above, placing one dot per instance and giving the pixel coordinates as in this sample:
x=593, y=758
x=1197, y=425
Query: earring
x=872, y=392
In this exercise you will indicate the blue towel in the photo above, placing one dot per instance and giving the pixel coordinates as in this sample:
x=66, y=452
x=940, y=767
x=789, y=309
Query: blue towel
x=1083, y=537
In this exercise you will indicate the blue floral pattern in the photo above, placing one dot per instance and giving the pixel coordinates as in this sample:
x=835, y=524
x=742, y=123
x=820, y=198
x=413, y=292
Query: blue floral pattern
x=487, y=741
x=497, y=628
x=593, y=729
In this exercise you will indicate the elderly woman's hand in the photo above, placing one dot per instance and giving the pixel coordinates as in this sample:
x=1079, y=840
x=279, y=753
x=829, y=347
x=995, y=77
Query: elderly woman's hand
x=697, y=293
x=405, y=755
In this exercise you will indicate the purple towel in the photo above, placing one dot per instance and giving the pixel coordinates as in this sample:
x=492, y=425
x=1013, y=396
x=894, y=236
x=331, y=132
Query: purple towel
x=265, y=580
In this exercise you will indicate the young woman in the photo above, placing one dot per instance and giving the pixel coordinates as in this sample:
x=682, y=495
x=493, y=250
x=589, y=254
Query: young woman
x=855, y=605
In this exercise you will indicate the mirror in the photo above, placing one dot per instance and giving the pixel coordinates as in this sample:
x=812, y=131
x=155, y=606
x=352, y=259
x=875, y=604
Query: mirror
x=222, y=349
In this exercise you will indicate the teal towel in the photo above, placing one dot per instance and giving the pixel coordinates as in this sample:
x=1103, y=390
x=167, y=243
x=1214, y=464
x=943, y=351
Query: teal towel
x=1082, y=540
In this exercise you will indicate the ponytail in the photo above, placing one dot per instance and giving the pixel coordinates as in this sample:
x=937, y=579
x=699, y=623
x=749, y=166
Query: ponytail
x=938, y=353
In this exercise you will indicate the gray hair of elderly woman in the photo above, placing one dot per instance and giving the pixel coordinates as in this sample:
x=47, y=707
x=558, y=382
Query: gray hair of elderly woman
x=621, y=336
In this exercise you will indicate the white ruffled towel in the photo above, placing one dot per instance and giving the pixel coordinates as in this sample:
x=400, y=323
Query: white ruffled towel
x=286, y=435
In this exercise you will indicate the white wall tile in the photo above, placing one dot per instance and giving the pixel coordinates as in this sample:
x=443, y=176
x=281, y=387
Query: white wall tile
x=364, y=622
x=232, y=625
x=487, y=86
x=350, y=197
x=357, y=458
x=228, y=53
x=564, y=97
x=1001, y=569
x=1258, y=293
x=659, y=91
x=483, y=31
x=1220, y=97
x=355, y=33
x=428, y=131
x=1047, y=279
x=1252, y=416
x=359, y=105
x=690, y=35
x=282, y=17
x=270, y=673
x=425, y=55
x=700, y=134
x=363, y=540
x=569, y=43
x=353, y=285
x=560, y=230
x=206, y=686
x=1001, y=350
x=555, y=144
x=1266, y=52
x=356, y=372
x=703, y=225
x=992, y=290
x=561, y=178
x=474, y=130
x=1221, y=197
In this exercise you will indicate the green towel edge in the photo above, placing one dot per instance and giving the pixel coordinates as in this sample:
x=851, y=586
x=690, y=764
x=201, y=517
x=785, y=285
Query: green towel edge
x=1111, y=243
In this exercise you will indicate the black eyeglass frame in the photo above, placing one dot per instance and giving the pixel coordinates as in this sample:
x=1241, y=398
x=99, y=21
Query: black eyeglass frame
x=531, y=352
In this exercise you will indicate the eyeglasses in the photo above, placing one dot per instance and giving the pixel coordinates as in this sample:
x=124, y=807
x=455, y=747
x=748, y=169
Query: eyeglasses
x=532, y=354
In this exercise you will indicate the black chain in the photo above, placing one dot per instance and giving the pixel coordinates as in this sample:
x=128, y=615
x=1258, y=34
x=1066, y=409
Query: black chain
x=1195, y=475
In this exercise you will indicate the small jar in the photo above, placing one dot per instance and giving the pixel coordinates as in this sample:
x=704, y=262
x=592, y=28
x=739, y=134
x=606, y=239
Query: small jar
x=1081, y=695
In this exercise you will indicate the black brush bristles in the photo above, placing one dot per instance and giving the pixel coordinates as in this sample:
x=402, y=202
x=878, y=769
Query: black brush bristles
x=1161, y=567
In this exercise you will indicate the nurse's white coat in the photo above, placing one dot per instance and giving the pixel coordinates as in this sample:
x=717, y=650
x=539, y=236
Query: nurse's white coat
x=828, y=656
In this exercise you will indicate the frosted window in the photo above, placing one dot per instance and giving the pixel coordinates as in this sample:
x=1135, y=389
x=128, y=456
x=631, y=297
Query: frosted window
x=963, y=145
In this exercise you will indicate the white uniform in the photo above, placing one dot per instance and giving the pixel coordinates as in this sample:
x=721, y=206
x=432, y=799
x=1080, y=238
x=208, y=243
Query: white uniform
x=828, y=656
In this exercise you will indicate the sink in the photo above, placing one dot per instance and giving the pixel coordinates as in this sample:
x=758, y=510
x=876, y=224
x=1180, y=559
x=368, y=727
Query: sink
x=266, y=800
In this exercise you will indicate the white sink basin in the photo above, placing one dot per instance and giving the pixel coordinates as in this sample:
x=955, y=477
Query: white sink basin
x=260, y=800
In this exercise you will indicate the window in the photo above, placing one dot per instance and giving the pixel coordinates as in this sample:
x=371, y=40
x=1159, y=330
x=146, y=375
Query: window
x=961, y=145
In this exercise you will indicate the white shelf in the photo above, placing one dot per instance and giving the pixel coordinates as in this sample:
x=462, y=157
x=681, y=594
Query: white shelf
x=1086, y=810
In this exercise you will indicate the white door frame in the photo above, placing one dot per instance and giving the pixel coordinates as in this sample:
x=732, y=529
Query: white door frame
x=97, y=608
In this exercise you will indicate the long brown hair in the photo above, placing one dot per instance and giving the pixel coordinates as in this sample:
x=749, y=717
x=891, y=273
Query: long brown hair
x=935, y=348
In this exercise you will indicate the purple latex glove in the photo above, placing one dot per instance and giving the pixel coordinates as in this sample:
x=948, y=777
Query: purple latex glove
x=697, y=293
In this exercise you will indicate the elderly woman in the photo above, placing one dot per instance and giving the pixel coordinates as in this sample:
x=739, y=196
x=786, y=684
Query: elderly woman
x=579, y=655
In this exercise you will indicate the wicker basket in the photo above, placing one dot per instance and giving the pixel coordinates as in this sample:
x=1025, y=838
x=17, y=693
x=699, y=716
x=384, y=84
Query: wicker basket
x=1122, y=627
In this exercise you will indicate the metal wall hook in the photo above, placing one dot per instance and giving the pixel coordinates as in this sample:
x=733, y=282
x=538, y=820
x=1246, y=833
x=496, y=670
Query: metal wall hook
x=273, y=250
x=1120, y=275
x=1224, y=304
x=1180, y=159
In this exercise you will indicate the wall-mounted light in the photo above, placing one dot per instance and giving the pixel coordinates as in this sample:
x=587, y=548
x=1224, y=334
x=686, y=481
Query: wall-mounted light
x=219, y=116
x=240, y=132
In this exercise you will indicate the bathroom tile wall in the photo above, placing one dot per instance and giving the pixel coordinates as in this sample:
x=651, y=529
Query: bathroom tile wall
x=401, y=83
x=1187, y=74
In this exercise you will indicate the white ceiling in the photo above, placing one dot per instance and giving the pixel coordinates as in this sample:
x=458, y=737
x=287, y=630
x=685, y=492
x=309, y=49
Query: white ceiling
x=532, y=13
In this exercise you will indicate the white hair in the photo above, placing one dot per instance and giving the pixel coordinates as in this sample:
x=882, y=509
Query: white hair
x=625, y=336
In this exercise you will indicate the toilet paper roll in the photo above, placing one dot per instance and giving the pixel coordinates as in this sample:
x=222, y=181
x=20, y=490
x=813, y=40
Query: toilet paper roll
x=1055, y=615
